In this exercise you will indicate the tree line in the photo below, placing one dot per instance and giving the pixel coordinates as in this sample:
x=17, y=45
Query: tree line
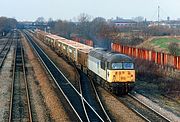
x=85, y=27
x=103, y=31
x=6, y=24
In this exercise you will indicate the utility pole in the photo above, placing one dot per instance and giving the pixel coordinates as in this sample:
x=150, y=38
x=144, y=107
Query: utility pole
x=158, y=14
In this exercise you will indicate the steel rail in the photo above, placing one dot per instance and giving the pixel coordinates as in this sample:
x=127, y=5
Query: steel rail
x=150, y=108
x=69, y=83
x=83, y=101
x=97, y=96
x=7, y=50
x=56, y=82
x=26, y=85
x=25, y=82
x=12, y=88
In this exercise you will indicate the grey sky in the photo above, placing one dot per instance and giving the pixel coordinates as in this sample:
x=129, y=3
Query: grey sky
x=68, y=9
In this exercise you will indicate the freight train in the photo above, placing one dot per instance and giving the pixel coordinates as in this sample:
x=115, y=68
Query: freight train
x=113, y=71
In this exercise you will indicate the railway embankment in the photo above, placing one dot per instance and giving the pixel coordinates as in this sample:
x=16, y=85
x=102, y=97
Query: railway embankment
x=159, y=85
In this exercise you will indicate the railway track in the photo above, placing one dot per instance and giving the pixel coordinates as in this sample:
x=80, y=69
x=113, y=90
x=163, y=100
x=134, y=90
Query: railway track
x=4, y=51
x=89, y=92
x=20, y=108
x=72, y=96
x=142, y=110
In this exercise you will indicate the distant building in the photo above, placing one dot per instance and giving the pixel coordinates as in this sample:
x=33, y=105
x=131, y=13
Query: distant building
x=32, y=25
x=174, y=23
x=167, y=23
x=154, y=24
x=124, y=23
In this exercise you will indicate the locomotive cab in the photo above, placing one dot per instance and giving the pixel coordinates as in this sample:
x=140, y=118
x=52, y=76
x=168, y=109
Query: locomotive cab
x=113, y=71
x=120, y=68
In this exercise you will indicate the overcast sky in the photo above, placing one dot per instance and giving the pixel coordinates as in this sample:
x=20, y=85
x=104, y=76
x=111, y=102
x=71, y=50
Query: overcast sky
x=69, y=9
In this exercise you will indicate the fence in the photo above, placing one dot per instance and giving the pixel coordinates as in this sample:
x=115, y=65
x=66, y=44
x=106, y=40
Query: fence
x=84, y=41
x=156, y=57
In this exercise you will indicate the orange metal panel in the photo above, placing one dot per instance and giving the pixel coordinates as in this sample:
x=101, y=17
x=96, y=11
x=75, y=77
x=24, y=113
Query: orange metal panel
x=131, y=51
x=89, y=42
x=124, y=49
x=117, y=47
x=147, y=55
x=139, y=53
x=134, y=52
x=178, y=62
x=143, y=54
x=175, y=62
x=162, y=58
x=165, y=62
x=121, y=48
x=159, y=58
x=168, y=59
x=127, y=50
x=114, y=47
x=153, y=56
x=77, y=39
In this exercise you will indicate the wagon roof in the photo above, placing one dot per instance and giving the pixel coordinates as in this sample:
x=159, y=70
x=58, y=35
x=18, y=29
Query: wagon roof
x=108, y=56
x=85, y=50
x=71, y=43
x=54, y=36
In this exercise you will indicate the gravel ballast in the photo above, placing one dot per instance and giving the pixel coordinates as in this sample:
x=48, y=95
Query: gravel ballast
x=46, y=104
x=5, y=85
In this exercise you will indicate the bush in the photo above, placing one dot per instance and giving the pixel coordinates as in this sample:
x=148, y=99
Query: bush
x=131, y=41
x=173, y=48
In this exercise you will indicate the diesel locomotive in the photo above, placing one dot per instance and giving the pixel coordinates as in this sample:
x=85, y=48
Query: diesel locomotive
x=113, y=71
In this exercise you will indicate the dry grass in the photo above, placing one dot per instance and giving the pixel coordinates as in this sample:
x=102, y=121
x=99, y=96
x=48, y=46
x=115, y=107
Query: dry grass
x=159, y=44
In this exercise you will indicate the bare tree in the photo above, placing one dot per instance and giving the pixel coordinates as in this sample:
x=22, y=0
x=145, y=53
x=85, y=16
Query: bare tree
x=64, y=28
x=97, y=25
x=50, y=24
x=40, y=20
x=83, y=26
x=6, y=24
x=83, y=18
